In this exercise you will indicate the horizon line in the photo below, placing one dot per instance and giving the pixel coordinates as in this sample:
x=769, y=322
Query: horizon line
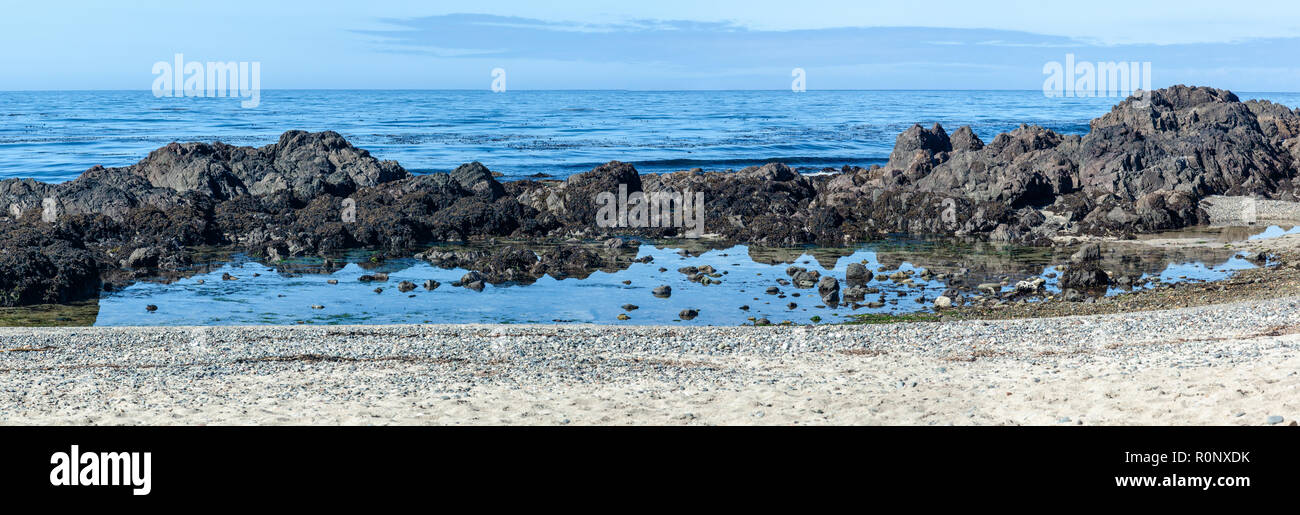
x=487, y=90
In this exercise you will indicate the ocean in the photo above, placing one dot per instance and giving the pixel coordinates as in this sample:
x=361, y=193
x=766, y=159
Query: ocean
x=53, y=136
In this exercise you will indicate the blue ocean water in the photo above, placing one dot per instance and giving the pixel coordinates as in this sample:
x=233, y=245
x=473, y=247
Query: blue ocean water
x=55, y=135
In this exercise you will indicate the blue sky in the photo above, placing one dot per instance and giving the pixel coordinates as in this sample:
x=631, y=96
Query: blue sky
x=668, y=44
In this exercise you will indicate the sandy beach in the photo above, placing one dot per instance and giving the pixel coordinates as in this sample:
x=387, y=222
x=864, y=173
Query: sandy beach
x=1227, y=364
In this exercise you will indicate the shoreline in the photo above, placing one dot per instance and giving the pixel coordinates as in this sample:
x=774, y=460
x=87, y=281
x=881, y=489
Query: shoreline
x=1225, y=364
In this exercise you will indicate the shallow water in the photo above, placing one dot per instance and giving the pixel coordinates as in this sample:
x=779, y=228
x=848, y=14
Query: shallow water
x=274, y=297
x=55, y=135
x=1275, y=231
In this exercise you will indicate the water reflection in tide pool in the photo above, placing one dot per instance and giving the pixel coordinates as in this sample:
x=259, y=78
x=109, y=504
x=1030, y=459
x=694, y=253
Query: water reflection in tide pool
x=262, y=295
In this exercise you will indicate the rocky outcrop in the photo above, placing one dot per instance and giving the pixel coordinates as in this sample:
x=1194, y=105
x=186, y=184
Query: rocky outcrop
x=1145, y=166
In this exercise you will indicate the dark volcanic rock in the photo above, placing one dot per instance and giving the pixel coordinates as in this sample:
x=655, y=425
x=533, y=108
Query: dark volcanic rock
x=42, y=268
x=1086, y=275
x=829, y=289
x=857, y=274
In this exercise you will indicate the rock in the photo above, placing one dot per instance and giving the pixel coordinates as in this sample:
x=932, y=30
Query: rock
x=471, y=277
x=1089, y=252
x=477, y=178
x=857, y=293
x=772, y=290
x=431, y=285
x=1086, y=275
x=1032, y=286
x=688, y=314
x=829, y=289
x=664, y=291
x=332, y=281
x=857, y=275
x=379, y=290
x=620, y=243
x=317, y=306
x=144, y=257
x=375, y=277
x=630, y=307
x=151, y=308
x=806, y=278
x=405, y=286
x=623, y=316
x=1275, y=419
x=942, y=302
x=1071, y=295
x=475, y=285
x=791, y=305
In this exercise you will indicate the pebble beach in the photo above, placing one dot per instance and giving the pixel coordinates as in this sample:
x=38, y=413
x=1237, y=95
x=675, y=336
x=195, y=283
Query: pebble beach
x=1223, y=364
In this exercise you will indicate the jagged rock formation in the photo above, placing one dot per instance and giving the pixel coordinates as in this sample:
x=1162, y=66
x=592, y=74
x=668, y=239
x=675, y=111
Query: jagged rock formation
x=1142, y=167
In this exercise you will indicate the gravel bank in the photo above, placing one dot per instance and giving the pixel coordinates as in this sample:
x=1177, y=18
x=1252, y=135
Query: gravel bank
x=1220, y=364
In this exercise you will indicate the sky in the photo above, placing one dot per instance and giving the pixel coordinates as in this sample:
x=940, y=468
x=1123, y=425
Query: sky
x=667, y=44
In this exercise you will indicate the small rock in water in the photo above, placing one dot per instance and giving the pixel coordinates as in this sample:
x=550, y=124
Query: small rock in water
x=333, y=281
x=431, y=285
x=630, y=307
x=405, y=286
x=623, y=316
x=152, y=308
x=228, y=277
x=476, y=285
x=857, y=275
x=318, y=306
x=688, y=314
x=662, y=291
x=773, y=290
x=942, y=302
x=379, y=290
